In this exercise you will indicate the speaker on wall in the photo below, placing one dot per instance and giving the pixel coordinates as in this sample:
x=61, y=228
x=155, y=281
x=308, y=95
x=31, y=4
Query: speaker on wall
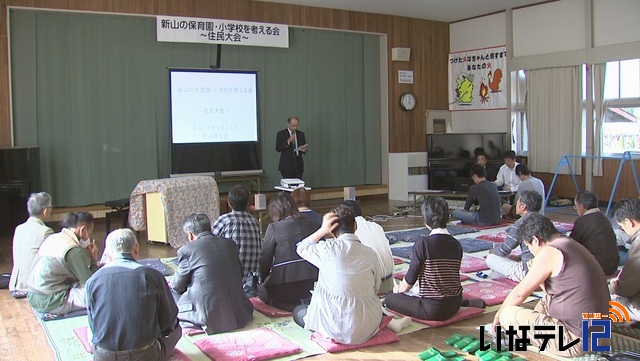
x=400, y=54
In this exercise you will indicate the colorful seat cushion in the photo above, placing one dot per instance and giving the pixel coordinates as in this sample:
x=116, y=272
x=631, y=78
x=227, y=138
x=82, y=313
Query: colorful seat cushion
x=255, y=344
x=472, y=264
x=563, y=227
x=494, y=237
x=492, y=293
x=384, y=336
x=187, y=331
x=81, y=334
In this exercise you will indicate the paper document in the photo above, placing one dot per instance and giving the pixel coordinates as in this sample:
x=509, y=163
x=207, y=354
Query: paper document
x=300, y=148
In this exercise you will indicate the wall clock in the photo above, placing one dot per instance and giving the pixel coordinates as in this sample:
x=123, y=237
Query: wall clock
x=407, y=101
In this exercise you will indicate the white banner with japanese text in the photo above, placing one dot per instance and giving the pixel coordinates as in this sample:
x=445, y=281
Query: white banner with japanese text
x=216, y=31
x=476, y=79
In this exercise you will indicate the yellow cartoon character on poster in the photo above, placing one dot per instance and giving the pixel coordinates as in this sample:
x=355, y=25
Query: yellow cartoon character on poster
x=464, y=89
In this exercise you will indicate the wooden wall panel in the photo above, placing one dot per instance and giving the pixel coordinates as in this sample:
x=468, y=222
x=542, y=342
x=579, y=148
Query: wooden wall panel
x=602, y=186
x=428, y=40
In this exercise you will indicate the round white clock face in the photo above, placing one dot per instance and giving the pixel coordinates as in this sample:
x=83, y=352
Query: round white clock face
x=407, y=101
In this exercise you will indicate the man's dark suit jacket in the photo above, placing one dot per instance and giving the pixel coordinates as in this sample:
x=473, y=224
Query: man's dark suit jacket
x=209, y=281
x=594, y=231
x=287, y=156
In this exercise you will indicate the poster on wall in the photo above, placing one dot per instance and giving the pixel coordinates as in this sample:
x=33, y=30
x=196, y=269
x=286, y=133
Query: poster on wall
x=477, y=79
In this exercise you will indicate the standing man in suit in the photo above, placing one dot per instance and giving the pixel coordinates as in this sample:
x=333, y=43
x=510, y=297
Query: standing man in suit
x=208, y=283
x=291, y=144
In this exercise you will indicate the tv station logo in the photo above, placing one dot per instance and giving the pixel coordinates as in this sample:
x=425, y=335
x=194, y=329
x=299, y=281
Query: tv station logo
x=617, y=314
x=595, y=326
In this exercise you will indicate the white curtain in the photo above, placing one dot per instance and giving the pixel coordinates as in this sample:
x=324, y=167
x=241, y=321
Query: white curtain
x=598, y=75
x=554, y=114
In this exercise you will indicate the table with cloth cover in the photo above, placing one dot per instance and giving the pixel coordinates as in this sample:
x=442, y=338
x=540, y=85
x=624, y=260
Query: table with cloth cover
x=179, y=196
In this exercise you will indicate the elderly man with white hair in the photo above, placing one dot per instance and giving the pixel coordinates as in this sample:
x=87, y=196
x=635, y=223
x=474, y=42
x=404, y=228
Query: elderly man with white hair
x=27, y=240
x=131, y=312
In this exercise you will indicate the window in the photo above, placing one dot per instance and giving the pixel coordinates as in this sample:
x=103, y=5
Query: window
x=621, y=125
x=621, y=129
x=519, y=133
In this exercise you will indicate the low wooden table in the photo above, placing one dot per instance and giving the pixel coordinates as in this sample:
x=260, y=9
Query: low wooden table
x=252, y=180
x=506, y=195
x=119, y=209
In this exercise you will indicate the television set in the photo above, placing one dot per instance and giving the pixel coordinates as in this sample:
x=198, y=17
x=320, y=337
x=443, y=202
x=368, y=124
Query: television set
x=465, y=145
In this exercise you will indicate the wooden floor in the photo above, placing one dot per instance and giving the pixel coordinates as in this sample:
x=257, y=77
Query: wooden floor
x=22, y=338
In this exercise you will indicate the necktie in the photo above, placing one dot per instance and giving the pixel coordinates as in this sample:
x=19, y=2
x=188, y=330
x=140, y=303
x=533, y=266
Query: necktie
x=295, y=144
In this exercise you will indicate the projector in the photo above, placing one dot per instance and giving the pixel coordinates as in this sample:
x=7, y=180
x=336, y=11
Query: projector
x=291, y=183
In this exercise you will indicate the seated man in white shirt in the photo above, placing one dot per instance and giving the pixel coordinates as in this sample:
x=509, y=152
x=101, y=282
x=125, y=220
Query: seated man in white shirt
x=507, y=177
x=372, y=235
x=528, y=183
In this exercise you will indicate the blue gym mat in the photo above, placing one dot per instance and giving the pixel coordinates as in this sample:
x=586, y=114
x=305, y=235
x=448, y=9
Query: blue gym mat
x=469, y=245
x=157, y=265
x=413, y=235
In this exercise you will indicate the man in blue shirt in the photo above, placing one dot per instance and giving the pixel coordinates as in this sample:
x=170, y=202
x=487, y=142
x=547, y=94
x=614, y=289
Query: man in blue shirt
x=130, y=308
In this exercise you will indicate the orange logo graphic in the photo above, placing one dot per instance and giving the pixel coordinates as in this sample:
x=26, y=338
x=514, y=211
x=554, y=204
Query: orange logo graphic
x=617, y=312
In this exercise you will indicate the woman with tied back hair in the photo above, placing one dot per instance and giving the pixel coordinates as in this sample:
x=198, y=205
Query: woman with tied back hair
x=435, y=264
x=302, y=198
x=63, y=264
x=287, y=278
